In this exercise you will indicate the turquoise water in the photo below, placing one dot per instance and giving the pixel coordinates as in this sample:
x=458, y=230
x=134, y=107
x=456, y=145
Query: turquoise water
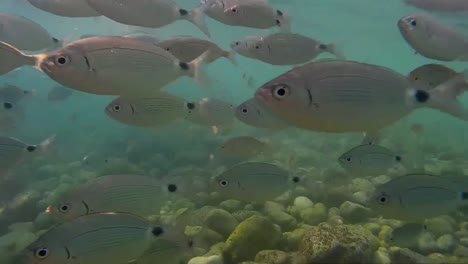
x=89, y=144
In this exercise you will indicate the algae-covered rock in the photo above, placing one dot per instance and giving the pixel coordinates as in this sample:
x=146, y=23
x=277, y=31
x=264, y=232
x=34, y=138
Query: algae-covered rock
x=252, y=235
x=441, y=225
x=381, y=256
x=300, y=203
x=327, y=243
x=206, y=260
x=354, y=213
x=407, y=256
x=241, y=215
x=272, y=257
x=284, y=220
x=314, y=215
x=291, y=239
x=221, y=221
x=203, y=237
x=446, y=243
x=231, y=205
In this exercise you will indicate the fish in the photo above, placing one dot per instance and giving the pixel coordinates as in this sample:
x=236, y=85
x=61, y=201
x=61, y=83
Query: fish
x=432, y=39
x=13, y=151
x=407, y=236
x=253, y=114
x=254, y=181
x=187, y=48
x=315, y=97
x=369, y=159
x=246, y=13
x=244, y=147
x=429, y=76
x=148, y=39
x=135, y=194
x=415, y=197
x=66, y=8
x=99, y=238
x=105, y=65
x=155, y=111
x=417, y=129
x=151, y=14
x=283, y=48
x=440, y=5
x=212, y=112
x=13, y=94
x=59, y=93
x=26, y=34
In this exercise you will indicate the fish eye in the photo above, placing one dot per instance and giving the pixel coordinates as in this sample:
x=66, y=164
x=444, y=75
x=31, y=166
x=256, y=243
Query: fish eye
x=237, y=43
x=413, y=22
x=245, y=110
x=7, y=105
x=416, y=78
x=61, y=60
x=116, y=108
x=382, y=199
x=41, y=253
x=64, y=208
x=168, y=49
x=223, y=183
x=257, y=47
x=280, y=91
x=348, y=159
x=234, y=10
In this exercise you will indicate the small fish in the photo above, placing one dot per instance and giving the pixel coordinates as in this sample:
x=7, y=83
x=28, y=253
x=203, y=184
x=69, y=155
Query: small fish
x=65, y=8
x=283, y=48
x=429, y=76
x=100, y=238
x=212, y=112
x=243, y=147
x=253, y=182
x=440, y=5
x=59, y=93
x=432, y=39
x=253, y=114
x=187, y=48
x=369, y=159
x=360, y=98
x=25, y=34
x=105, y=65
x=246, y=13
x=156, y=111
x=13, y=94
x=135, y=194
x=415, y=197
x=407, y=236
x=151, y=14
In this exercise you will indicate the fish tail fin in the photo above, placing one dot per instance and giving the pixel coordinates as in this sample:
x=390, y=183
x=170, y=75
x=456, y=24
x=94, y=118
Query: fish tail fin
x=197, y=17
x=45, y=145
x=444, y=96
x=231, y=56
x=335, y=50
x=196, y=69
x=12, y=58
x=284, y=21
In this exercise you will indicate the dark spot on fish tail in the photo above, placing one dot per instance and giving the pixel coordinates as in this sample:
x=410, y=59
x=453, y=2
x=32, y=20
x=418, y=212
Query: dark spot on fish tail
x=464, y=195
x=7, y=105
x=421, y=96
x=172, y=187
x=68, y=253
x=157, y=231
x=184, y=66
x=183, y=12
x=31, y=148
x=278, y=22
x=86, y=206
x=25, y=92
x=279, y=12
x=322, y=46
x=398, y=158
x=191, y=106
x=55, y=40
x=190, y=243
x=296, y=179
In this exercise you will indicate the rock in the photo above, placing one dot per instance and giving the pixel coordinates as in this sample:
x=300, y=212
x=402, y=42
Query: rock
x=446, y=243
x=327, y=243
x=300, y=203
x=284, y=220
x=360, y=197
x=293, y=238
x=354, y=213
x=314, y=215
x=427, y=243
x=381, y=256
x=373, y=227
x=464, y=241
x=385, y=234
x=244, y=214
x=272, y=257
x=407, y=256
x=438, y=258
x=441, y=225
x=252, y=235
x=202, y=237
x=273, y=206
x=221, y=221
x=461, y=251
x=334, y=217
x=206, y=260
x=231, y=205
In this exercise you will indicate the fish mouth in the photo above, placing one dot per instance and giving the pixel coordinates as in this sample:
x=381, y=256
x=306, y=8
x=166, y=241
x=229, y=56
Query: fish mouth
x=403, y=23
x=45, y=67
x=263, y=95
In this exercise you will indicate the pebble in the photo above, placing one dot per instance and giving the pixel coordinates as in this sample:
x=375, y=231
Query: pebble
x=427, y=243
x=314, y=215
x=354, y=213
x=441, y=225
x=221, y=221
x=206, y=260
x=381, y=256
x=231, y=205
x=446, y=243
x=272, y=257
x=284, y=220
x=464, y=241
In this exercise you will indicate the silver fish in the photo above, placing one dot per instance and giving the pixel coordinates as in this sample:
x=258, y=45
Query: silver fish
x=253, y=182
x=158, y=110
x=283, y=48
x=151, y=13
x=212, y=112
x=415, y=197
x=315, y=97
x=246, y=13
x=139, y=195
x=432, y=39
x=99, y=238
x=253, y=114
x=59, y=93
x=187, y=48
x=243, y=147
x=148, y=39
x=13, y=94
x=440, y=5
x=25, y=34
x=105, y=65
x=369, y=159
x=65, y=8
